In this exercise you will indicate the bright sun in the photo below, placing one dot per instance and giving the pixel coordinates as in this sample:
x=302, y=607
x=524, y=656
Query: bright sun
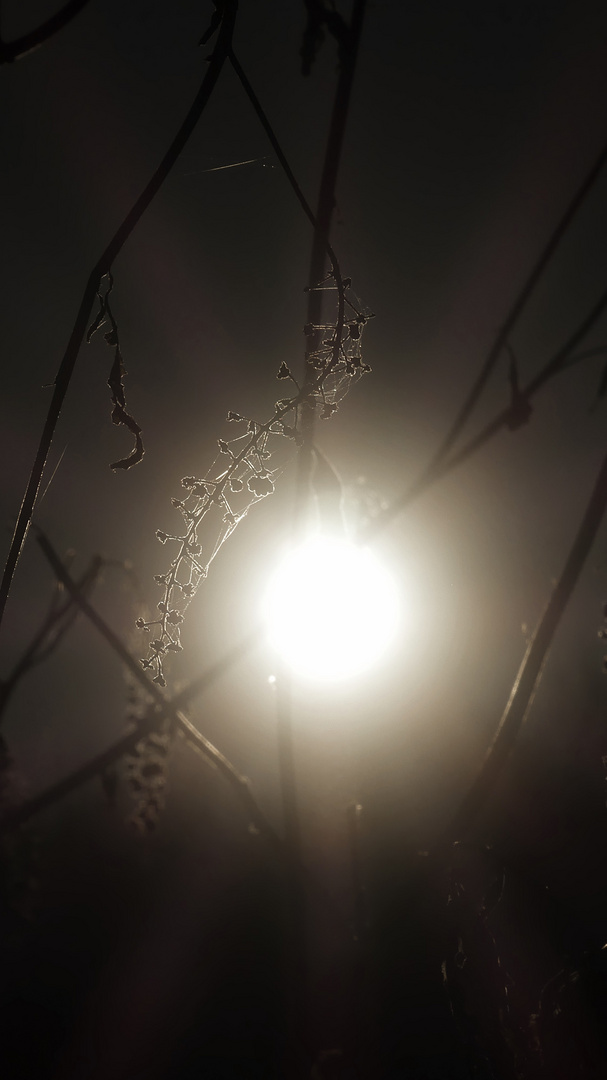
x=330, y=608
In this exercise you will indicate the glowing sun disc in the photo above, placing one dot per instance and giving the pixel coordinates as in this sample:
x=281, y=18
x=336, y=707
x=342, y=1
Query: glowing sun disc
x=331, y=609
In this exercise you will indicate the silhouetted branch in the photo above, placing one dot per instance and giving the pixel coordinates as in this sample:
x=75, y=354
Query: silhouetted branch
x=321, y=15
x=95, y=767
x=16, y=50
x=265, y=123
x=557, y=364
x=519, y=305
x=284, y=164
x=561, y=360
x=57, y=622
x=530, y=671
x=326, y=199
x=163, y=707
x=321, y=221
x=102, y=267
x=335, y=138
x=320, y=248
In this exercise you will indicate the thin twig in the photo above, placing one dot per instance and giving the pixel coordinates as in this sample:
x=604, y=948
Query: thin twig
x=163, y=707
x=321, y=247
x=315, y=295
x=435, y=472
x=321, y=221
x=520, y=303
x=530, y=671
x=438, y=468
x=348, y=54
x=286, y=759
x=54, y=627
x=18, y=816
x=20, y=47
x=102, y=267
x=290, y=175
x=265, y=123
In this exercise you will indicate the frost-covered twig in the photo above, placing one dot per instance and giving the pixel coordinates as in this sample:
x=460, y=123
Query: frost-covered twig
x=333, y=362
x=246, y=468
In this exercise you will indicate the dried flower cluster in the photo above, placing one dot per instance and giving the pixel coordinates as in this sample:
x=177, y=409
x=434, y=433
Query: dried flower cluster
x=247, y=466
x=147, y=779
x=120, y=414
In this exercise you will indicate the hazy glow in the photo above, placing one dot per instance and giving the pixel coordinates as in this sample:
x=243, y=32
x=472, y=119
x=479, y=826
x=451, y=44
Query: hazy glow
x=330, y=608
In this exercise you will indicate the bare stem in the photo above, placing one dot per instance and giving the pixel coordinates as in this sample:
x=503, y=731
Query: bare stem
x=290, y=175
x=520, y=303
x=265, y=123
x=161, y=707
x=437, y=470
x=20, y=47
x=322, y=227
x=103, y=266
x=320, y=246
x=56, y=624
x=286, y=762
x=530, y=671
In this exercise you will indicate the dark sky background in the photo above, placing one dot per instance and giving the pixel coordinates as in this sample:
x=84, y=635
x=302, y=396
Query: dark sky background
x=471, y=125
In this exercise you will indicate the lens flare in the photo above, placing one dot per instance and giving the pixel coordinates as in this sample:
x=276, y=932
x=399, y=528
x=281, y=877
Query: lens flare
x=331, y=609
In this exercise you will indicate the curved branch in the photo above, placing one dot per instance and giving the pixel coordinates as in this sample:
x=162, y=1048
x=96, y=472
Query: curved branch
x=437, y=470
x=102, y=267
x=16, y=50
x=519, y=305
x=530, y=671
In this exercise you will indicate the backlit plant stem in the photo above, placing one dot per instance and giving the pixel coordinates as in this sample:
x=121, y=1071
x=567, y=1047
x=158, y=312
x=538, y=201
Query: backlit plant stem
x=103, y=266
x=437, y=470
x=530, y=670
x=20, y=47
x=520, y=303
